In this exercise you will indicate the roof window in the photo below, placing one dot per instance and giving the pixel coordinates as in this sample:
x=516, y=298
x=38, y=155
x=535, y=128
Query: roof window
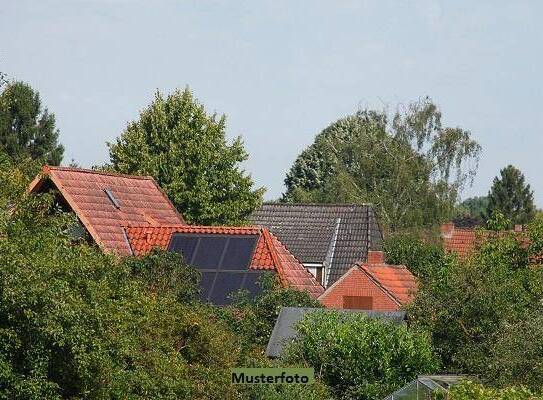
x=112, y=198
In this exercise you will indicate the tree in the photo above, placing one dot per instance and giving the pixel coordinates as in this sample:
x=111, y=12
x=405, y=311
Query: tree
x=482, y=310
x=186, y=151
x=511, y=196
x=359, y=357
x=427, y=261
x=26, y=129
x=410, y=167
x=471, y=212
x=253, y=318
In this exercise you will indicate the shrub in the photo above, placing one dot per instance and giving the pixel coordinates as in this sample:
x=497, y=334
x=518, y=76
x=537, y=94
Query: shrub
x=468, y=390
x=253, y=319
x=359, y=357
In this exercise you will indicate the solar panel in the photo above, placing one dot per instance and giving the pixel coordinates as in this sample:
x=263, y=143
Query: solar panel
x=206, y=283
x=252, y=282
x=223, y=261
x=184, y=245
x=209, y=253
x=226, y=284
x=239, y=253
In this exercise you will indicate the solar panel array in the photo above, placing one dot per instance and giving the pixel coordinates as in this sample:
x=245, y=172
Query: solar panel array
x=224, y=262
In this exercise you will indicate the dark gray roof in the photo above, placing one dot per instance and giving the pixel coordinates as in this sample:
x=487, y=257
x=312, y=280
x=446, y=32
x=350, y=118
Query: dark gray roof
x=316, y=233
x=284, y=329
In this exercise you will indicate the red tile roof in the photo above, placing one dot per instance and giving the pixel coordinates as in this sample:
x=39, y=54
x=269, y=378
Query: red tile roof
x=140, y=202
x=461, y=241
x=270, y=253
x=396, y=280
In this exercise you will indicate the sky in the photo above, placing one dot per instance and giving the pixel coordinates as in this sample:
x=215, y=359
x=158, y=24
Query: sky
x=282, y=71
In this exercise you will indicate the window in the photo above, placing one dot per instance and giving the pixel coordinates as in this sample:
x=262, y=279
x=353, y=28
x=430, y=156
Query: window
x=358, y=302
x=319, y=274
x=112, y=198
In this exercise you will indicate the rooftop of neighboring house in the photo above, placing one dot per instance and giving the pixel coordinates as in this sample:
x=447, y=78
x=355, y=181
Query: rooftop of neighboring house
x=396, y=281
x=463, y=241
x=220, y=250
x=106, y=202
x=337, y=235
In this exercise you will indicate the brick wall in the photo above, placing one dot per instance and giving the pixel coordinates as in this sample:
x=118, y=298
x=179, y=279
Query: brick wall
x=357, y=283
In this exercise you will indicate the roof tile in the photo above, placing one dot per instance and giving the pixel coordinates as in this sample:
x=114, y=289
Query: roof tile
x=84, y=191
x=269, y=254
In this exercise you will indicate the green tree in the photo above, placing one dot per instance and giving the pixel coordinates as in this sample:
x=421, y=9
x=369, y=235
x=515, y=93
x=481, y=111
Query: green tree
x=480, y=309
x=186, y=151
x=26, y=128
x=77, y=323
x=511, y=196
x=253, y=318
x=426, y=260
x=409, y=166
x=359, y=357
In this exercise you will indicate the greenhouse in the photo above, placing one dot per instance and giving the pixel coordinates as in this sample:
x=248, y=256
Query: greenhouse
x=426, y=387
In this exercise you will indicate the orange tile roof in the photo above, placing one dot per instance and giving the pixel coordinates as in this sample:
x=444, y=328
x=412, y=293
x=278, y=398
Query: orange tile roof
x=396, y=280
x=461, y=241
x=140, y=202
x=269, y=254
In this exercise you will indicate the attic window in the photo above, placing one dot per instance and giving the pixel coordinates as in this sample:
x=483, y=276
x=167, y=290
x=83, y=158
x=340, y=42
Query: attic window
x=112, y=198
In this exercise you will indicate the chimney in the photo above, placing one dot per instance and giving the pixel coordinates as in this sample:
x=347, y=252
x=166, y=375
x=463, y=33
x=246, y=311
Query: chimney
x=518, y=228
x=447, y=229
x=376, y=257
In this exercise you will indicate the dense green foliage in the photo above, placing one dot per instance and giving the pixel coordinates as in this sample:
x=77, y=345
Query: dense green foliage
x=253, y=318
x=410, y=167
x=186, y=151
x=482, y=311
x=424, y=259
x=358, y=357
x=25, y=128
x=468, y=390
x=472, y=211
x=511, y=196
x=77, y=323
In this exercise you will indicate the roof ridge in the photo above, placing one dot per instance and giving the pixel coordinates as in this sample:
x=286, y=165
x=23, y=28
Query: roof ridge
x=188, y=226
x=47, y=168
x=318, y=204
x=268, y=240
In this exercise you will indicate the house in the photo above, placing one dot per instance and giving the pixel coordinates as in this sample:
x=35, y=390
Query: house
x=284, y=330
x=463, y=241
x=106, y=202
x=372, y=285
x=327, y=238
x=229, y=258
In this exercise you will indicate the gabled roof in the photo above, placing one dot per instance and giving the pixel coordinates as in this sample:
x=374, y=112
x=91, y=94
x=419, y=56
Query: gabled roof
x=269, y=254
x=105, y=202
x=284, y=330
x=394, y=280
x=335, y=234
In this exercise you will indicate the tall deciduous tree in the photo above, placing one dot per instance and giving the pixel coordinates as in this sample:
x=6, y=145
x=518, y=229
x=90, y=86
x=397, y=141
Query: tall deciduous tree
x=25, y=128
x=511, y=196
x=411, y=167
x=186, y=151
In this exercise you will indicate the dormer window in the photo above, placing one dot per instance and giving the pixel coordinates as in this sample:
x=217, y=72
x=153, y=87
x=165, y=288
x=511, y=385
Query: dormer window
x=112, y=198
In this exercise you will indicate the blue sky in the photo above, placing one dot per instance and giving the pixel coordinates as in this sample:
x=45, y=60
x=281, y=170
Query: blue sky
x=283, y=70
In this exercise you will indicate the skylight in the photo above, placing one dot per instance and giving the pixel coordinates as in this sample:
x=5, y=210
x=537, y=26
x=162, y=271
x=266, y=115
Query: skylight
x=112, y=198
